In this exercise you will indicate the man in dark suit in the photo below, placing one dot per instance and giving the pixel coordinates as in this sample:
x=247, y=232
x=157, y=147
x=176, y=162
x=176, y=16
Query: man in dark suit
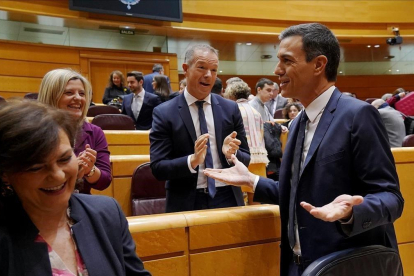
x=139, y=104
x=197, y=129
x=277, y=101
x=157, y=69
x=337, y=157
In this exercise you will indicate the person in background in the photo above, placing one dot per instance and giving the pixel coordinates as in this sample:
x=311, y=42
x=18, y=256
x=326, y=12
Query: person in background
x=45, y=228
x=116, y=87
x=264, y=93
x=277, y=101
x=218, y=87
x=253, y=124
x=398, y=94
x=139, y=104
x=183, y=84
x=157, y=69
x=160, y=86
x=68, y=90
x=290, y=112
x=393, y=122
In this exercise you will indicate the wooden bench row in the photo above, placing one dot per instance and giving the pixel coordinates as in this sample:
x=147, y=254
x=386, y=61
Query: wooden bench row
x=131, y=142
x=242, y=240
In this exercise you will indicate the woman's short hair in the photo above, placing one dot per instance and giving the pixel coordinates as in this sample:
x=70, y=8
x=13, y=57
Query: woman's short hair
x=111, y=76
x=54, y=83
x=237, y=90
x=286, y=110
x=30, y=133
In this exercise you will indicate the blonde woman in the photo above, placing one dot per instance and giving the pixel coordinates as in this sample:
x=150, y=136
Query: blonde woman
x=68, y=90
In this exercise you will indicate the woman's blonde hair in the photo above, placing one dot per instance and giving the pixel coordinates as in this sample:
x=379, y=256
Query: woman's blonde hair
x=54, y=83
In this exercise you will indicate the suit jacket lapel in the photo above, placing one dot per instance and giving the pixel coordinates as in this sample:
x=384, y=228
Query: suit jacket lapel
x=323, y=125
x=217, y=115
x=186, y=116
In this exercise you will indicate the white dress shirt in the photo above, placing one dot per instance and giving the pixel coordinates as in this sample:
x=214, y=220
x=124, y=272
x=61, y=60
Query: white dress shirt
x=208, y=112
x=137, y=101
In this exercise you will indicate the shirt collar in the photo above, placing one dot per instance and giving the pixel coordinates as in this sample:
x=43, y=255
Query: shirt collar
x=319, y=104
x=140, y=94
x=259, y=101
x=190, y=99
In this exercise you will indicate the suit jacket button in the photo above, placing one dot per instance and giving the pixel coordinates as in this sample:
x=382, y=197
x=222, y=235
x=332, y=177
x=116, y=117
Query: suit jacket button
x=366, y=224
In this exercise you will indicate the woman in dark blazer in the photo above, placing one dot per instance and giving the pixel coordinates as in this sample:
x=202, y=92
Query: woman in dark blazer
x=46, y=229
x=116, y=87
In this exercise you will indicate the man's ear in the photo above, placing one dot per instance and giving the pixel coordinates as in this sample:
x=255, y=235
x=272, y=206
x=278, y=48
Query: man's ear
x=141, y=82
x=185, y=68
x=320, y=64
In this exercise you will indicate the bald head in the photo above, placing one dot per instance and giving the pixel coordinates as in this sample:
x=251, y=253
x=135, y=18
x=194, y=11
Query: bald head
x=377, y=103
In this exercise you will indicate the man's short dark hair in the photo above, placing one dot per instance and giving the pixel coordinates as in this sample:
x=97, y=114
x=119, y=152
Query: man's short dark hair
x=217, y=87
x=261, y=83
x=317, y=40
x=157, y=68
x=138, y=75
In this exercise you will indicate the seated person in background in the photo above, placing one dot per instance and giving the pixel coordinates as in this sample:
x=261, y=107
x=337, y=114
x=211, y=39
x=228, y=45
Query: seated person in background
x=45, y=228
x=160, y=86
x=116, y=87
x=68, y=90
x=218, y=87
x=386, y=96
x=399, y=93
x=253, y=124
x=393, y=122
x=290, y=112
x=139, y=104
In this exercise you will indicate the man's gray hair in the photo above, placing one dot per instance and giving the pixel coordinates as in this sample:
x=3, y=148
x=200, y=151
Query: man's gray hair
x=276, y=86
x=157, y=68
x=189, y=54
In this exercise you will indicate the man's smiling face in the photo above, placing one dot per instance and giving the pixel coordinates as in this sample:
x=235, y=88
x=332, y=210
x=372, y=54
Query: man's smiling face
x=201, y=73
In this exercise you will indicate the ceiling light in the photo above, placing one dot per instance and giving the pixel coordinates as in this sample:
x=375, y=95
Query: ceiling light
x=376, y=46
x=389, y=70
x=368, y=46
x=220, y=71
x=248, y=44
x=397, y=70
x=340, y=72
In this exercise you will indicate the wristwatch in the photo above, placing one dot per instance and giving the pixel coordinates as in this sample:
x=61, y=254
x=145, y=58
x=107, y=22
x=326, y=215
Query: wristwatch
x=92, y=172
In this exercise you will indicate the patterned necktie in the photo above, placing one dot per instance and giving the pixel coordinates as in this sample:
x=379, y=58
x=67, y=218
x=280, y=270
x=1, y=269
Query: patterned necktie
x=209, y=159
x=295, y=178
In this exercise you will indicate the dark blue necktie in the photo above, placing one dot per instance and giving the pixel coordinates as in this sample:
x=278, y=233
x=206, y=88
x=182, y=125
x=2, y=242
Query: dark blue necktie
x=295, y=177
x=209, y=159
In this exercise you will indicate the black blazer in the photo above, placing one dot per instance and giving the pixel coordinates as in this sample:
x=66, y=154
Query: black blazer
x=172, y=139
x=144, y=120
x=101, y=234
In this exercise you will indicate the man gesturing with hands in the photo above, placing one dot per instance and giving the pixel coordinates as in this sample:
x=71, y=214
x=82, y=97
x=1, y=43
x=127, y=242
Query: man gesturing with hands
x=338, y=186
x=195, y=131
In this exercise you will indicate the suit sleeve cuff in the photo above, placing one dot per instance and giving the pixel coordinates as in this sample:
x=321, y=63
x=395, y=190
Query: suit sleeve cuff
x=256, y=180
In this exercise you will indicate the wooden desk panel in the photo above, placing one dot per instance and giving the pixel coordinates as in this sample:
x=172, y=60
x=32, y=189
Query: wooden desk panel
x=175, y=266
x=262, y=259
